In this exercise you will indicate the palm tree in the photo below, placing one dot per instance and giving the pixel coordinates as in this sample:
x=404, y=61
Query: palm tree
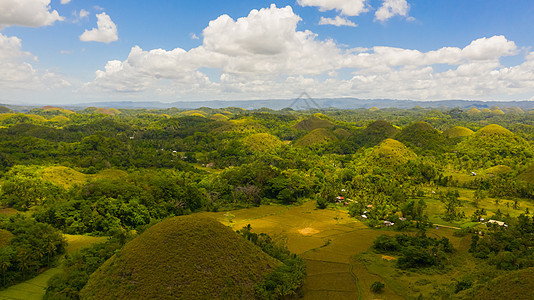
x=6, y=254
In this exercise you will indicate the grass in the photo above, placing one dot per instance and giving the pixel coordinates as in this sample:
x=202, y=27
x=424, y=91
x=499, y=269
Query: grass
x=35, y=288
x=77, y=242
x=457, y=131
x=313, y=122
x=315, y=137
x=328, y=251
x=5, y=237
x=188, y=257
x=391, y=152
x=262, y=142
x=64, y=176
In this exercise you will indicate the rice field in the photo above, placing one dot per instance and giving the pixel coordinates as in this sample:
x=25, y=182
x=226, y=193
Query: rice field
x=327, y=239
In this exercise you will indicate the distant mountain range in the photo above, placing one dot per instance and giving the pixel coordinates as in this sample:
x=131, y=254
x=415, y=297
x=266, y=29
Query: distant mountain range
x=340, y=103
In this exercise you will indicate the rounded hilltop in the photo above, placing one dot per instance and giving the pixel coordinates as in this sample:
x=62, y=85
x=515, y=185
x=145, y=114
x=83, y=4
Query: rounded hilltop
x=390, y=153
x=376, y=132
x=457, y=131
x=187, y=257
x=422, y=136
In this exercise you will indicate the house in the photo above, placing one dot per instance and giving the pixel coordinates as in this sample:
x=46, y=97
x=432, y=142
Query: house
x=388, y=223
x=500, y=223
x=364, y=217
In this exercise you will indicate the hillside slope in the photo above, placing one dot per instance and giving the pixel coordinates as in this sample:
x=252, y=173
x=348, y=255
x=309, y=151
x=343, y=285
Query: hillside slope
x=186, y=257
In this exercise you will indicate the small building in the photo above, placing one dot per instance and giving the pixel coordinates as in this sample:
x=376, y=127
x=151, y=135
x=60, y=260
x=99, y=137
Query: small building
x=500, y=223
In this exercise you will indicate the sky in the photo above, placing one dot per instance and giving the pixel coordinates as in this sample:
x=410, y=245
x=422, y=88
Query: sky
x=58, y=52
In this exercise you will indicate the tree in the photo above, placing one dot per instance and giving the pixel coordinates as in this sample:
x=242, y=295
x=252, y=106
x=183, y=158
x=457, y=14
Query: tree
x=6, y=255
x=377, y=287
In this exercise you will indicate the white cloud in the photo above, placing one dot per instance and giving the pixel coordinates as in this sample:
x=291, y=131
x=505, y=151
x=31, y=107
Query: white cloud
x=106, y=31
x=346, y=7
x=391, y=8
x=29, y=13
x=83, y=14
x=17, y=71
x=65, y=1
x=263, y=55
x=491, y=48
x=338, y=21
x=194, y=36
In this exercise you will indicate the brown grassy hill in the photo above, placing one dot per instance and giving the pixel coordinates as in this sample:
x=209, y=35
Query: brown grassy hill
x=457, y=131
x=512, y=286
x=188, y=257
x=312, y=123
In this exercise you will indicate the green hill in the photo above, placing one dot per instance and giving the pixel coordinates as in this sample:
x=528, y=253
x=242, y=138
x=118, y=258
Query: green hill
x=316, y=137
x=186, y=257
x=512, y=286
x=376, y=132
x=312, y=123
x=423, y=136
x=390, y=153
x=527, y=175
x=261, y=142
x=473, y=111
x=498, y=170
x=457, y=131
x=495, y=145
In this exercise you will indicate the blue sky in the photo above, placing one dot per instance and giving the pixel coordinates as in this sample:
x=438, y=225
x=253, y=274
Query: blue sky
x=55, y=52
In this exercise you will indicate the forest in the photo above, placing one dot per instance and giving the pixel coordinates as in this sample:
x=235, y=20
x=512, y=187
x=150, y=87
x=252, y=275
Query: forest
x=444, y=198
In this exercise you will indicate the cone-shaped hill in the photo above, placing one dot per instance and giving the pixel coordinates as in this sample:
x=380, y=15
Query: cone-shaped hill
x=390, y=153
x=423, y=136
x=512, y=286
x=375, y=133
x=316, y=137
x=494, y=145
x=457, y=132
x=312, y=123
x=262, y=142
x=186, y=257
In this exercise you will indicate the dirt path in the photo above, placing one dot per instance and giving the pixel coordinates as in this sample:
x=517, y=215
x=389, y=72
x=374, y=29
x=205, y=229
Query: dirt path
x=447, y=226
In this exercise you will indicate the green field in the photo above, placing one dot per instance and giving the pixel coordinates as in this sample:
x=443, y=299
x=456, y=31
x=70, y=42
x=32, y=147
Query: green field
x=35, y=287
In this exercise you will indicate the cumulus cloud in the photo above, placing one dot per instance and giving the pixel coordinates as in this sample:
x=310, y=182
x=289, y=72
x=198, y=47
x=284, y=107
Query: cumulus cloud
x=17, y=71
x=65, y=1
x=391, y=8
x=194, y=36
x=338, y=21
x=29, y=13
x=346, y=7
x=106, y=31
x=263, y=55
